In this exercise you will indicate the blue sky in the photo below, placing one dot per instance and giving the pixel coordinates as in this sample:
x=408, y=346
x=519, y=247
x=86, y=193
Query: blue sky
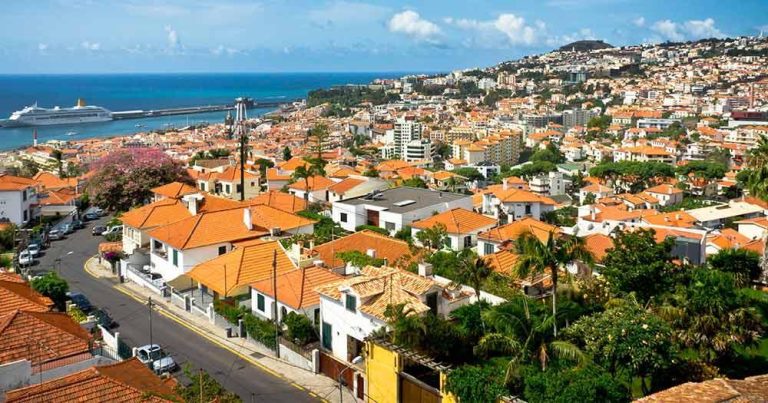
x=85, y=36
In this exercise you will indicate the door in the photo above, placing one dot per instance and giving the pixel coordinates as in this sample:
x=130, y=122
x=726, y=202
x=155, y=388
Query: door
x=372, y=217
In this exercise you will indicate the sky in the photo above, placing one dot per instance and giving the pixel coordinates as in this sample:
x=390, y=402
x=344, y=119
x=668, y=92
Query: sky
x=125, y=36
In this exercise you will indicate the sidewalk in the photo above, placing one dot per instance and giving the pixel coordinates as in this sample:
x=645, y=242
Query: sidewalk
x=317, y=385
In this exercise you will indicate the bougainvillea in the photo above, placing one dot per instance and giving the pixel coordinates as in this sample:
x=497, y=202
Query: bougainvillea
x=124, y=178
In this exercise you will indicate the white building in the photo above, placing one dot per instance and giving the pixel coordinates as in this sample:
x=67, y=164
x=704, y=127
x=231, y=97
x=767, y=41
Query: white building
x=406, y=130
x=419, y=150
x=18, y=198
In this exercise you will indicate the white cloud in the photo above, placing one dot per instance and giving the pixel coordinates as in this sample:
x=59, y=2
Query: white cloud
x=93, y=46
x=410, y=23
x=514, y=28
x=582, y=34
x=221, y=50
x=173, y=37
x=42, y=47
x=345, y=12
x=688, y=30
x=639, y=21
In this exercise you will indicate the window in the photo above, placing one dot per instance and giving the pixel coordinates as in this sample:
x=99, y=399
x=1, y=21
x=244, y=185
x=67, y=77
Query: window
x=316, y=316
x=468, y=241
x=175, y=258
x=389, y=226
x=432, y=302
x=327, y=335
x=24, y=195
x=488, y=248
x=202, y=186
x=343, y=217
x=227, y=189
x=351, y=303
x=239, y=188
x=448, y=241
x=222, y=250
x=26, y=216
x=527, y=209
x=283, y=312
x=260, y=302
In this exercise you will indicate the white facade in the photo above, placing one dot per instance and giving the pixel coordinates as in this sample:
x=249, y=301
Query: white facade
x=341, y=323
x=16, y=205
x=350, y=216
x=262, y=305
x=406, y=130
x=171, y=263
x=419, y=150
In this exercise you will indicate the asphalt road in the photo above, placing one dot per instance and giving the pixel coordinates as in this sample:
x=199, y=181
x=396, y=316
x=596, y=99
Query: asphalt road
x=185, y=346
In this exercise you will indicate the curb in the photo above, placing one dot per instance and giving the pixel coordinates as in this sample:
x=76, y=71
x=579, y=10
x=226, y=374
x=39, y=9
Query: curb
x=205, y=334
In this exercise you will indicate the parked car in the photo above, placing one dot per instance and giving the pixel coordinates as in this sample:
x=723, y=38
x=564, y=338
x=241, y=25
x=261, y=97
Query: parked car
x=77, y=224
x=80, y=301
x=155, y=358
x=55, y=235
x=66, y=229
x=90, y=216
x=34, y=249
x=104, y=319
x=25, y=258
x=100, y=212
x=98, y=229
x=115, y=229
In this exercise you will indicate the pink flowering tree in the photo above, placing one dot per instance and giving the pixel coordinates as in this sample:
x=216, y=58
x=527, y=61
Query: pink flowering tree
x=124, y=178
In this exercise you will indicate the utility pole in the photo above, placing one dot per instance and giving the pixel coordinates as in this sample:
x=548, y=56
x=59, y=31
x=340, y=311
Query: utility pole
x=274, y=308
x=201, y=385
x=242, y=131
x=149, y=304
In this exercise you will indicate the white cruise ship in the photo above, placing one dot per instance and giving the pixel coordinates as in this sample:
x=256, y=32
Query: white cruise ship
x=37, y=116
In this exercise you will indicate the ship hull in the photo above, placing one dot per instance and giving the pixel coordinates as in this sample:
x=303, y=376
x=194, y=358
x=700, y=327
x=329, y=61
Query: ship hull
x=51, y=122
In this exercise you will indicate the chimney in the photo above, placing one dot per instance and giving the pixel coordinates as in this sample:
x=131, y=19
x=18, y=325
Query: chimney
x=318, y=263
x=505, y=186
x=425, y=269
x=296, y=251
x=247, y=219
x=34, y=138
x=192, y=202
x=371, y=253
x=677, y=217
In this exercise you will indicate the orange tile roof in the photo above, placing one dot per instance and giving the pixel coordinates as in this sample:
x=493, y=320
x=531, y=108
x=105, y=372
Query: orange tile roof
x=728, y=238
x=57, y=197
x=273, y=174
x=521, y=196
x=503, y=262
x=598, y=244
x=248, y=263
x=752, y=389
x=392, y=165
x=457, y=221
x=513, y=230
x=174, y=190
x=296, y=288
x=55, y=336
x=316, y=182
x=161, y=212
x=232, y=174
x=345, y=185
x=382, y=287
x=8, y=182
x=206, y=228
x=664, y=188
x=51, y=181
x=15, y=295
x=444, y=175
x=386, y=247
x=293, y=163
x=759, y=221
x=279, y=200
x=125, y=381
x=344, y=173
x=673, y=219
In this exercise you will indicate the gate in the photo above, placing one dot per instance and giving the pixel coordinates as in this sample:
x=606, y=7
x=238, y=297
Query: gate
x=331, y=367
x=414, y=391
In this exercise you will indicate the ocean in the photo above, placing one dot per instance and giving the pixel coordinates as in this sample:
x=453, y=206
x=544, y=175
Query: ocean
x=120, y=92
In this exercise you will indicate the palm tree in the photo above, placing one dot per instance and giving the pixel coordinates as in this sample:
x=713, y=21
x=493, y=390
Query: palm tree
x=536, y=257
x=472, y=270
x=757, y=184
x=520, y=328
x=320, y=133
x=300, y=173
x=407, y=328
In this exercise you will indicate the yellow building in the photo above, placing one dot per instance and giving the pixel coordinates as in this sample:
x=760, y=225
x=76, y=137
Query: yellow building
x=395, y=374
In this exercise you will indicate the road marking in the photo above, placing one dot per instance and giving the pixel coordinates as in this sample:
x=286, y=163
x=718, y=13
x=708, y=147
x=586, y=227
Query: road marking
x=211, y=339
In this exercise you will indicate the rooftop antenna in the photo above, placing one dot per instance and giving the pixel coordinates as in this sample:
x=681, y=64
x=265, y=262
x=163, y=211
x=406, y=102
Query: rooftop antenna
x=242, y=131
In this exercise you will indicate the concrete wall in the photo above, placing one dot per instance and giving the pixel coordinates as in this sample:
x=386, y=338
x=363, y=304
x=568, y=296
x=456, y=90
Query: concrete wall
x=14, y=375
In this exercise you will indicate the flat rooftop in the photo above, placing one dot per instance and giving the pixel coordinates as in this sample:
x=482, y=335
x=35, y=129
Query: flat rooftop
x=723, y=211
x=405, y=199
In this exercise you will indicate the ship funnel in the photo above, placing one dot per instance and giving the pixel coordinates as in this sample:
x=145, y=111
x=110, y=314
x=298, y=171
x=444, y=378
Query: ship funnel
x=80, y=102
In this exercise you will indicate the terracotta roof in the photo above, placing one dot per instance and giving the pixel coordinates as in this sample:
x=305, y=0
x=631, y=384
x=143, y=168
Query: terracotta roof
x=598, y=244
x=512, y=195
x=503, y=262
x=8, y=182
x=207, y=228
x=679, y=219
x=273, y=174
x=752, y=389
x=161, y=212
x=232, y=174
x=248, y=263
x=51, y=181
x=279, y=200
x=293, y=163
x=296, y=288
x=174, y=190
x=345, y=185
x=125, y=381
x=265, y=218
x=11, y=277
x=15, y=295
x=759, y=221
x=444, y=175
x=380, y=287
x=664, y=188
x=110, y=247
x=728, y=238
x=40, y=337
x=316, y=182
x=386, y=247
x=514, y=229
x=392, y=165
x=457, y=221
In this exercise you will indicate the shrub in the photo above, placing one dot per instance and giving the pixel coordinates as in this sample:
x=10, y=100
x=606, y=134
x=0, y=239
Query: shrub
x=372, y=228
x=299, y=328
x=260, y=330
x=231, y=313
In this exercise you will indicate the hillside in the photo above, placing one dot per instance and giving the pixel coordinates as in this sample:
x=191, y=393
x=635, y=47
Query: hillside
x=585, y=46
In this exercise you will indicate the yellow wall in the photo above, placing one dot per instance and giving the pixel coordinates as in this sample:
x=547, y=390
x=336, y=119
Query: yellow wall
x=381, y=369
x=447, y=396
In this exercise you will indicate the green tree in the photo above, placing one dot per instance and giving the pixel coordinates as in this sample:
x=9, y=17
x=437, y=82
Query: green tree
x=407, y=329
x=264, y=164
x=742, y=263
x=471, y=174
x=625, y=339
x=210, y=387
x=53, y=287
x=637, y=264
x=757, y=183
x=319, y=132
x=57, y=155
x=589, y=199
x=601, y=122
x=414, y=182
x=7, y=234
x=472, y=270
x=303, y=173
x=566, y=384
x=371, y=173
x=536, y=257
x=712, y=316
x=703, y=169
x=359, y=259
x=287, y=153
x=433, y=237
x=478, y=383
x=299, y=328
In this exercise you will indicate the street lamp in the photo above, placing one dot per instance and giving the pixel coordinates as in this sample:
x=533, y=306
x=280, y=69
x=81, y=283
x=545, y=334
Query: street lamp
x=355, y=361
